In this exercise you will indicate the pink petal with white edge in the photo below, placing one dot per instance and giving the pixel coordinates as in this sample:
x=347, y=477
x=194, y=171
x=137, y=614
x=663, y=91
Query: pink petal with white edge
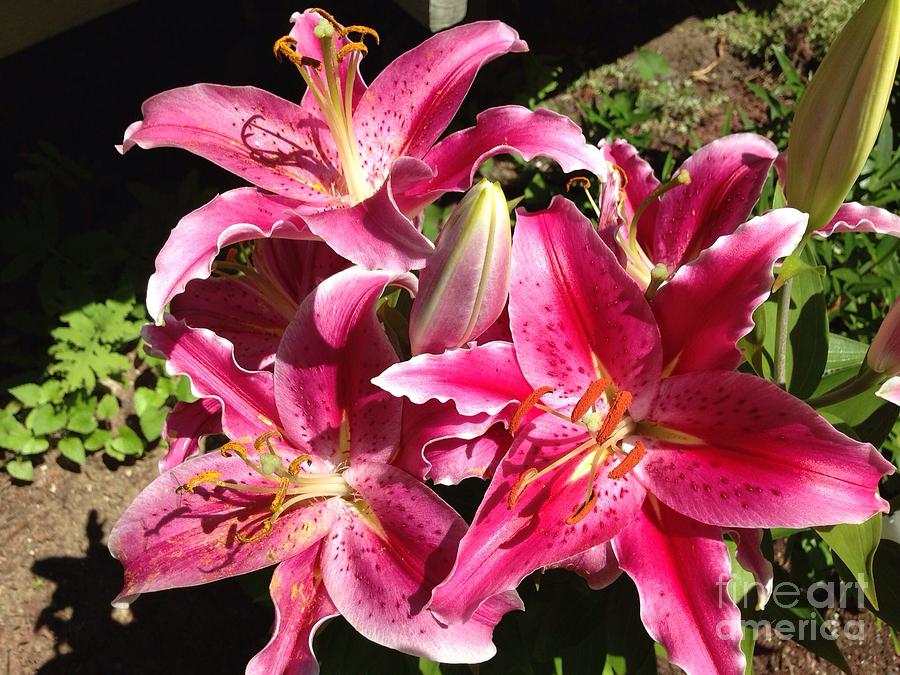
x=597, y=566
x=890, y=390
x=681, y=568
x=237, y=215
x=246, y=397
x=853, y=217
x=576, y=316
x=439, y=443
x=411, y=102
x=374, y=233
x=325, y=364
x=380, y=565
x=264, y=139
x=639, y=183
x=185, y=426
x=453, y=460
x=727, y=176
x=170, y=540
x=762, y=458
x=505, y=544
x=750, y=557
x=507, y=129
x=478, y=379
x=302, y=606
x=708, y=304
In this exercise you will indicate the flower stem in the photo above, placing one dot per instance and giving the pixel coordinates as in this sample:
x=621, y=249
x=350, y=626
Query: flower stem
x=856, y=385
x=781, y=332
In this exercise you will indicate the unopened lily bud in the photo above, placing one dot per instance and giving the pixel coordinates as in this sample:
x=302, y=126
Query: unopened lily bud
x=464, y=287
x=884, y=353
x=839, y=115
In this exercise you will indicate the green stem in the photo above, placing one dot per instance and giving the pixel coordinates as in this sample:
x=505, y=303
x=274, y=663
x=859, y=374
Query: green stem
x=852, y=387
x=781, y=332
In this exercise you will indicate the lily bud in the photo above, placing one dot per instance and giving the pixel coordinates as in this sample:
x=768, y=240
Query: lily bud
x=464, y=287
x=884, y=353
x=839, y=115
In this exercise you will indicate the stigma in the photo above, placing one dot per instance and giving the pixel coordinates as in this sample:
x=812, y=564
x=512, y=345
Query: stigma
x=286, y=483
x=333, y=91
x=602, y=411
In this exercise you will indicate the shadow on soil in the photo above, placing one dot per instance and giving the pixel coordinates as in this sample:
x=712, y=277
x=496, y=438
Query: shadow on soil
x=214, y=628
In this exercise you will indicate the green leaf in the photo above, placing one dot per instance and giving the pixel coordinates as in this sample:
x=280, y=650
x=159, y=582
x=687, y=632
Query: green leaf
x=20, y=469
x=33, y=446
x=183, y=390
x=97, y=439
x=81, y=421
x=856, y=546
x=887, y=571
x=151, y=422
x=72, y=449
x=146, y=399
x=127, y=442
x=108, y=407
x=748, y=645
x=652, y=65
x=45, y=420
x=427, y=667
x=844, y=352
x=28, y=394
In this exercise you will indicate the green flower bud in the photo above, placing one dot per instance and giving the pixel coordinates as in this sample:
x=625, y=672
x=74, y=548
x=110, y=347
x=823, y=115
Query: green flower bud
x=839, y=115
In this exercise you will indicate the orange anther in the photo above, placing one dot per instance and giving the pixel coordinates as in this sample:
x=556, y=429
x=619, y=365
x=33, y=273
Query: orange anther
x=265, y=441
x=614, y=416
x=594, y=391
x=199, y=479
x=581, y=181
x=247, y=539
x=631, y=460
x=286, y=47
x=530, y=401
x=519, y=486
x=351, y=47
x=294, y=466
x=361, y=30
x=583, y=510
x=235, y=447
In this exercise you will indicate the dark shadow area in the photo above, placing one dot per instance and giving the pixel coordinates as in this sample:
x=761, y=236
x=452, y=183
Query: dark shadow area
x=214, y=628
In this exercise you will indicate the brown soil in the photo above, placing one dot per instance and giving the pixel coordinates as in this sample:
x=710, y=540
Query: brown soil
x=57, y=579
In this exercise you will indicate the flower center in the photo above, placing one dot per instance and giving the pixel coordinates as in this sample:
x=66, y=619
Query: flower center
x=291, y=484
x=335, y=98
x=606, y=430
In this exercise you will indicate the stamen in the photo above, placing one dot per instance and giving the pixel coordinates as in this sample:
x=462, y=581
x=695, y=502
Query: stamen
x=328, y=17
x=351, y=47
x=583, y=510
x=285, y=47
x=530, y=401
x=294, y=466
x=631, y=460
x=519, y=486
x=582, y=181
x=616, y=412
x=248, y=539
x=361, y=30
x=199, y=479
x=594, y=391
x=266, y=440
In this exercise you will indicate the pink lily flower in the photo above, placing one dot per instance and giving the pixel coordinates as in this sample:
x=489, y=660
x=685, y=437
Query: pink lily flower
x=710, y=195
x=304, y=483
x=620, y=453
x=251, y=303
x=352, y=165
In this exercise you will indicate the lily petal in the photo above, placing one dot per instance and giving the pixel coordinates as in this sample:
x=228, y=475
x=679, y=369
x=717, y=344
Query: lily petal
x=248, y=406
x=727, y=176
x=576, y=316
x=598, y=566
x=170, y=540
x=237, y=215
x=761, y=458
x=506, y=129
x=750, y=557
x=890, y=390
x=639, y=184
x=185, y=425
x=374, y=233
x=854, y=217
x=681, y=568
x=325, y=363
x=505, y=543
x=411, y=102
x=453, y=460
x=478, y=379
x=379, y=569
x=708, y=304
x=263, y=138
x=302, y=606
